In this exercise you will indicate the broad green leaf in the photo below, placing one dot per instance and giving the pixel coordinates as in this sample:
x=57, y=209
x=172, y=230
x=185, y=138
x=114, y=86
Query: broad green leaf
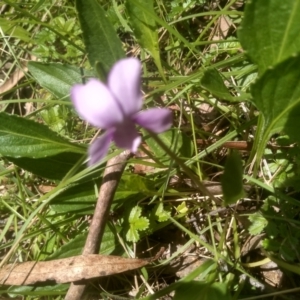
x=232, y=179
x=20, y=137
x=75, y=246
x=197, y=290
x=144, y=27
x=213, y=82
x=101, y=41
x=277, y=95
x=52, y=167
x=177, y=141
x=81, y=198
x=78, y=199
x=270, y=31
x=57, y=78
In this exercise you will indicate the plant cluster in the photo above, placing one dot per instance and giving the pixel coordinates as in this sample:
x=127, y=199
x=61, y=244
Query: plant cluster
x=213, y=178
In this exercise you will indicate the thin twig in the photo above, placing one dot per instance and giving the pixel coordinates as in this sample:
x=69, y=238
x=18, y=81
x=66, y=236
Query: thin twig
x=111, y=178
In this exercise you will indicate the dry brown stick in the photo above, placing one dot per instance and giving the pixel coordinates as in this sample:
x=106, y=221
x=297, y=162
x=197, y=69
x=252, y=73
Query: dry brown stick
x=111, y=177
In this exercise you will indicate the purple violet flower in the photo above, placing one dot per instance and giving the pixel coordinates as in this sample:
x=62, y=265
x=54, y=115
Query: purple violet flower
x=115, y=107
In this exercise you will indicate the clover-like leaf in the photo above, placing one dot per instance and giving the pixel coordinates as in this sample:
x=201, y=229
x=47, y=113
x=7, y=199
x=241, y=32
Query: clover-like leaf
x=162, y=213
x=136, y=224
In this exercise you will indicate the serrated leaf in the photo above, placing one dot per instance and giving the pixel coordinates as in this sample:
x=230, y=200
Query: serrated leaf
x=258, y=223
x=20, y=137
x=270, y=31
x=162, y=214
x=144, y=27
x=141, y=224
x=232, y=179
x=132, y=235
x=135, y=214
x=57, y=78
x=136, y=223
x=101, y=41
x=213, y=82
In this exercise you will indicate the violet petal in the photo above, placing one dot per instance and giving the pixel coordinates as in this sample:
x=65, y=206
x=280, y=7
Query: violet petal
x=127, y=137
x=155, y=119
x=124, y=82
x=95, y=103
x=99, y=147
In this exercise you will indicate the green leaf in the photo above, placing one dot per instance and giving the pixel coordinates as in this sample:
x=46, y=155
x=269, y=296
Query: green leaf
x=277, y=95
x=161, y=213
x=213, y=82
x=20, y=137
x=270, y=31
x=38, y=291
x=101, y=41
x=144, y=27
x=81, y=198
x=258, y=223
x=197, y=290
x=57, y=78
x=182, y=208
x=136, y=223
x=232, y=179
x=177, y=141
x=75, y=246
x=53, y=167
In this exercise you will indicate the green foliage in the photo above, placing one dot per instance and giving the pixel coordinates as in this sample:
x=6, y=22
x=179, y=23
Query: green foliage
x=144, y=27
x=177, y=141
x=202, y=291
x=161, y=213
x=36, y=142
x=101, y=41
x=269, y=31
x=213, y=82
x=272, y=42
x=12, y=29
x=136, y=224
x=53, y=167
x=232, y=179
x=258, y=223
x=279, y=106
x=57, y=78
x=75, y=246
x=198, y=63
